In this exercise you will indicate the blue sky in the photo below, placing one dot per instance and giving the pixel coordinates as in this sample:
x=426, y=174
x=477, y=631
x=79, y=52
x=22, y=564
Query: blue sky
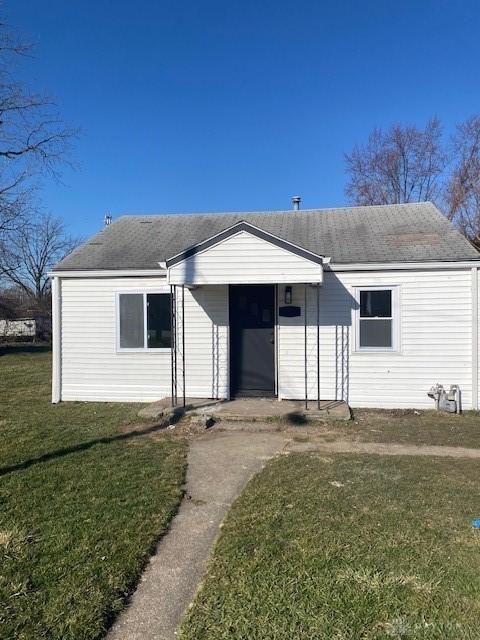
x=237, y=105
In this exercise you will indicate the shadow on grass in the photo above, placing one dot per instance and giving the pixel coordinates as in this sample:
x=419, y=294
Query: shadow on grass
x=84, y=446
x=24, y=347
x=296, y=417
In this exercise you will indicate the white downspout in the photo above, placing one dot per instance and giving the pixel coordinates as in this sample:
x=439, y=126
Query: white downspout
x=56, y=339
x=475, y=338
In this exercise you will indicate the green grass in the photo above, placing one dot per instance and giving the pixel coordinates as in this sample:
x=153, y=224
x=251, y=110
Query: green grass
x=347, y=548
x=414, y=427
x=83, y=498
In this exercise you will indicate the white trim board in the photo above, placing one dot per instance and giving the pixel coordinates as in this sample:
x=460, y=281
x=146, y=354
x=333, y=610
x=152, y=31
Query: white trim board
x=110, y=273
x=56, y=339
x=475, y=338
x=400, y=266
x=362, y=266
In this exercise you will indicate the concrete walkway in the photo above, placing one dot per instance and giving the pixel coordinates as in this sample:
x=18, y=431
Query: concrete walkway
x=219, y=466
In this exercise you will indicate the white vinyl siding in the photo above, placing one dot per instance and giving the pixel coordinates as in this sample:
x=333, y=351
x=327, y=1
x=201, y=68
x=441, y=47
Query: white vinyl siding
x=206, y=342
x=93, y=369
x=435, y=330
x=435, y=327
x=245, y=259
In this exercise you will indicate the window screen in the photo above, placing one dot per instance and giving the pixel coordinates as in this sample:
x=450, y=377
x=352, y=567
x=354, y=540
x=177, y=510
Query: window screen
x=376, y=320
x=131, y=321
x=158, y=321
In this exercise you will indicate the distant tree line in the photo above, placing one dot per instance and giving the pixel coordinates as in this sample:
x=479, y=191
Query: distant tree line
x=406, y=163
x=29, y=254
x=34, y=144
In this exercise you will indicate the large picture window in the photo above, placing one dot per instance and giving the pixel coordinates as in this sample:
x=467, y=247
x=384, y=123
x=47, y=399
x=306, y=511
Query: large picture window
x=376, y=319
x=143, y=321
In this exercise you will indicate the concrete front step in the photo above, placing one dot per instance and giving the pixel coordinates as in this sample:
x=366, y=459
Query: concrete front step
x=290, y=411
x=163, y=407
x=257, y=409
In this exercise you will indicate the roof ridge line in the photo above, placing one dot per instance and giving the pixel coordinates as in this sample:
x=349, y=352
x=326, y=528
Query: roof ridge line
x=273, y=211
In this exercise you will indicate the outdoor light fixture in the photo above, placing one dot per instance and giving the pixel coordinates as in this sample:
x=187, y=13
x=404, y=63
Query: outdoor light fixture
x=288, y=295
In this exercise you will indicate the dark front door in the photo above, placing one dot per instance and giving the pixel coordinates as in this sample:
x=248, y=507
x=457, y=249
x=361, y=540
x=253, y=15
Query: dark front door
x=252, y=332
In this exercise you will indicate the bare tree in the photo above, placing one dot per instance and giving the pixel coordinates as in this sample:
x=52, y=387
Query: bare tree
x=462, y=190
x=33, y=249
x=402, y=164
x=33, y=139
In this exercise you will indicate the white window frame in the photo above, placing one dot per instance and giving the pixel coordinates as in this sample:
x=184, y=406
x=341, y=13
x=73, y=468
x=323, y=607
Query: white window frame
x=145, y=348
x=395, y=318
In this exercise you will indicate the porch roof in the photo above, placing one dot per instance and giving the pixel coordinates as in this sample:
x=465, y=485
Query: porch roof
x=243, y=253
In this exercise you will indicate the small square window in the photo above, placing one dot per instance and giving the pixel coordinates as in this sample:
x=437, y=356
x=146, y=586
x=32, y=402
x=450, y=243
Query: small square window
x=375, y=327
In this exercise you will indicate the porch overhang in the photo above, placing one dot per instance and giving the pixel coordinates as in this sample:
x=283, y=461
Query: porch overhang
x=244, y=254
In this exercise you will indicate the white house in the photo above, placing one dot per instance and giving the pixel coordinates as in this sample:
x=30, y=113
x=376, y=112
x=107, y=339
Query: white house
x=30, y=328
x=371, y=305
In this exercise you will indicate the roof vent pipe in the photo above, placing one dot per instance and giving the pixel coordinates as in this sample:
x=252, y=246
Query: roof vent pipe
x=296, y=202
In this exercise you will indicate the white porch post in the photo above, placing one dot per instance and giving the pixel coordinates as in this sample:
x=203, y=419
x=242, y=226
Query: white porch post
x=474, y=337
x=56, y=339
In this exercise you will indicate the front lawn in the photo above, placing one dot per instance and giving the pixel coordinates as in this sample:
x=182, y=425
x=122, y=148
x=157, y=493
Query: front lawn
x=347, y=547
x=83, y=498
x=401, y=426
x=417, y=427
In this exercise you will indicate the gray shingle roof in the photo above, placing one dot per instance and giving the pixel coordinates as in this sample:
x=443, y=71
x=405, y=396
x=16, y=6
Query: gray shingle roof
x=392, y=233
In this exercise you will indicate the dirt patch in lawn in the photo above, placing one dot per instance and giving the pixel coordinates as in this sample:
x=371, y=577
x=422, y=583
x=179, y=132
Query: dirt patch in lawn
x=422, y=428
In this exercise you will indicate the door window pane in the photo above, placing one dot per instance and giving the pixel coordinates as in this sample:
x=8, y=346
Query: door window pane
x=131, y=321
x=158, y=321
x=376, y=304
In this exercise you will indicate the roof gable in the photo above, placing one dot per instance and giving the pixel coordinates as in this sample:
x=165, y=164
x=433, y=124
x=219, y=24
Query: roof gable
x=252, y=230
x=244, y=255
